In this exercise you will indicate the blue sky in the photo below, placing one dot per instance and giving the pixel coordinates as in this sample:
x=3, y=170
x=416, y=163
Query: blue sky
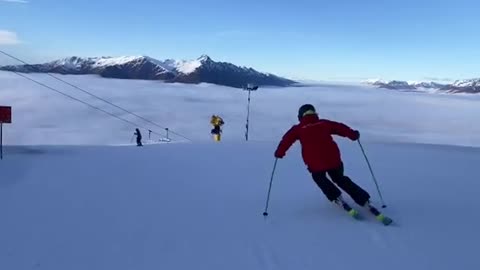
x=319, y=40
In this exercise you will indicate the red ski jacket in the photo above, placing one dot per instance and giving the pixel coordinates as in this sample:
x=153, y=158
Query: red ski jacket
x=319, y=150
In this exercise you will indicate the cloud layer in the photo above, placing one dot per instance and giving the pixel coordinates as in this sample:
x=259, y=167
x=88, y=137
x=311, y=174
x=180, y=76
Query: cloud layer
x=382, y=115
x=8, y=37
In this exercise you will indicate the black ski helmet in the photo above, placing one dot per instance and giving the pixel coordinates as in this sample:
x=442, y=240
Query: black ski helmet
x=305, y=108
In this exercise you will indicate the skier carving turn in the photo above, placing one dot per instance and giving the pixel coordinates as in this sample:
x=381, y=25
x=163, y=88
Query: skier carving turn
x=322, y=156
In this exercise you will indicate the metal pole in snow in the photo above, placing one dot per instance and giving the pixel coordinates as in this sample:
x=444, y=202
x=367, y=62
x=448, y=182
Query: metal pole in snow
x=1, y=140
x=248, y=114
x=249, y=88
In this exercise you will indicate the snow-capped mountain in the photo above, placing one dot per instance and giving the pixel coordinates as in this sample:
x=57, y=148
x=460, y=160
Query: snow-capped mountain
x=459, y=86
x=427, y=85
x=203, y=69
x=390, y=84
x=469, y=86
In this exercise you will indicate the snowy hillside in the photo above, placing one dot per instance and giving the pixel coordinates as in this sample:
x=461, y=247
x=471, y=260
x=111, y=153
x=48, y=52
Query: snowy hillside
x=472, y=85
x=203, y=69
x=77, y=63
x=184, y=66
x=199, y=206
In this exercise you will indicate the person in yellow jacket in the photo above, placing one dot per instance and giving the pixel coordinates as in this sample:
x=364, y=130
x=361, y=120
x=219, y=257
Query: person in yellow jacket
x=217, y=122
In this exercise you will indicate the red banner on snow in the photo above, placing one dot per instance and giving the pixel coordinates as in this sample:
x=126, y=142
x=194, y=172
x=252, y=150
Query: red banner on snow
x=5, y=114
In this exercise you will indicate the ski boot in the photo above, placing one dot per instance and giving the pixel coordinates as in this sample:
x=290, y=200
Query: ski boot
x=345, y=206
x=378, y=216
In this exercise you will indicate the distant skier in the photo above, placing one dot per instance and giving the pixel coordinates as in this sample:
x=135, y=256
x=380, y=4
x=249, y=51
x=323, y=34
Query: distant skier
x=322, y=156
x=139, y=137
x=217, y=122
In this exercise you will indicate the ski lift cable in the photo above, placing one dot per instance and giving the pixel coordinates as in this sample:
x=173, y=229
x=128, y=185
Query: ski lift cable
x=81, y=101
x=97, y=97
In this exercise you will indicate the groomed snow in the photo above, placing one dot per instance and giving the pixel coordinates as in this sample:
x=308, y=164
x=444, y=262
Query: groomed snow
x=199, y=205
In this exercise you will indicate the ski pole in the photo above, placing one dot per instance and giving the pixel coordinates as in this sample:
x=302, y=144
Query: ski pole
x=373, y=176
x=265, y=213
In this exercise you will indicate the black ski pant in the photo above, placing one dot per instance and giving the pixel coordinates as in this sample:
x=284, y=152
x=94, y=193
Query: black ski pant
x=332, y=192
x=216, y=130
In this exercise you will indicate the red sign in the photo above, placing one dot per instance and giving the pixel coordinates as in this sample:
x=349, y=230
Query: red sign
x=5, y=114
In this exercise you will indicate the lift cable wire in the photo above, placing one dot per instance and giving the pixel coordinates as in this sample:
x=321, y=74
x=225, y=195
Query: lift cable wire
x=93, y=95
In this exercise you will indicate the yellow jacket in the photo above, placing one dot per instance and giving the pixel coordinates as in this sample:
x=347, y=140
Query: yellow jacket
x=216, y=121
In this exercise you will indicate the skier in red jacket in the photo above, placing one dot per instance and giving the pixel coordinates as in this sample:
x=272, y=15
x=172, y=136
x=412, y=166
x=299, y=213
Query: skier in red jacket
x=322, y=156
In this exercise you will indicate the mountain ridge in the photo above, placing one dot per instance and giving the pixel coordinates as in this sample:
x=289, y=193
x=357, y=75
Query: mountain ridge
x=459, y=86
x=201, y=70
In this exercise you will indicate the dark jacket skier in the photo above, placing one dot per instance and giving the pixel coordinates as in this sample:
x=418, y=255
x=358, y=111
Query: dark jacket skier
x=139, y=137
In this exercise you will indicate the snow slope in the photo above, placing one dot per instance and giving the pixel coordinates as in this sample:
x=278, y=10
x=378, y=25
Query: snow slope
x=183, y=66
x=44, y=117
x=101, y=62
x=199, y=206
x=75, y=62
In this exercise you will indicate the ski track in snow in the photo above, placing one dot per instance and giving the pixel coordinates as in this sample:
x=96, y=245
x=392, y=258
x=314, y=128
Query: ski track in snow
x=266, y=259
